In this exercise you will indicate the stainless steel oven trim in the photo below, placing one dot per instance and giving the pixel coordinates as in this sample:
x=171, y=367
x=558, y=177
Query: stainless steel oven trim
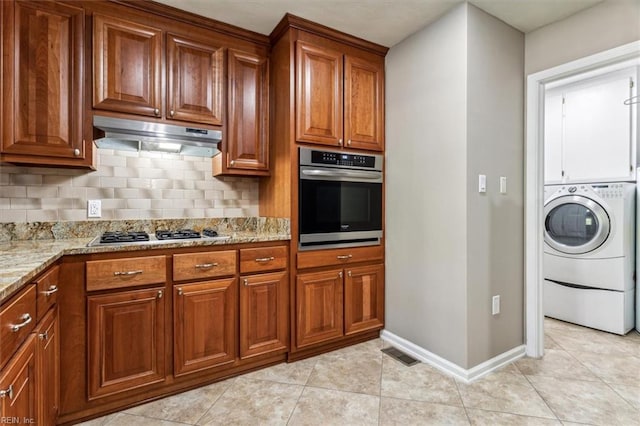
x=339, y=236
x=340, y=175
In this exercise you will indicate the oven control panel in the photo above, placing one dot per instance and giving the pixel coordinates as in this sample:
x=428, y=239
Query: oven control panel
x=342, y=159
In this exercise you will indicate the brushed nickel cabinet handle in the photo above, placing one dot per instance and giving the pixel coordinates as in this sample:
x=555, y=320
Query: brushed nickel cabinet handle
x=50, y=291
x=340, y=274
x=76, y=152
x=180, y=293
x=206, y=265
x=160, y=294
x=344, y=257
x=44, y=336
x=8, y=392
x=26, y=319
x=232, y=162
x=156, y=112
x=127, y=273
x=265, y=259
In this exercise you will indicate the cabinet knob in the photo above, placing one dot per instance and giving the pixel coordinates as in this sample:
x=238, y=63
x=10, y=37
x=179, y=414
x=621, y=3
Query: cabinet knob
x=349, y=273
x=26, y=319
x=339, y=141
x=349, y=142
x=232, y=162
x=171, y=113
x=180, y=291
x=160, y=294
x=44, y=336
x=340, y=274
x=76, y=151
x=246, y=281
x=8, y=392
x=156, y=112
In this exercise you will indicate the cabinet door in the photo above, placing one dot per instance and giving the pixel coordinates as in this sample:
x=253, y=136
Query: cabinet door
x=363, y=298
x=248, y=127
x=263, y=314
x=318, y=95
x=364, y=103
x=194, y=81
x=318, y=307
x=597, y=131
x=204, y=324
x=17, y=384
x=126, y=332
x=48, y=368
x=43, y=84
x=127, y=66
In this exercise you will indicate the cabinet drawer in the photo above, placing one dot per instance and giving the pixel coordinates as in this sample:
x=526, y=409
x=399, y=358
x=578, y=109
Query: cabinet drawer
x=129, y=272
x=263, y=259
x=17, y=320
x=47, y=291
x=345, y=256
x=204, y=265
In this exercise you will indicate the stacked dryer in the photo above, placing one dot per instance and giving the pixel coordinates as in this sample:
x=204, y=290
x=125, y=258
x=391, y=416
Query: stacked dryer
x=589, y=254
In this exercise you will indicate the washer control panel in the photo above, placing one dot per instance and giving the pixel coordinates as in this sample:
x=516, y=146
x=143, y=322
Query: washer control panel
x=612, y=190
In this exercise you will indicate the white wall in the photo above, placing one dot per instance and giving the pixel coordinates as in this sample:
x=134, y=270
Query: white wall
x=495, y=221
x=426, y=182
x=609, y=24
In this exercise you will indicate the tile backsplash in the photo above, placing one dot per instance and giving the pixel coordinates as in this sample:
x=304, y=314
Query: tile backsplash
x=131, y=185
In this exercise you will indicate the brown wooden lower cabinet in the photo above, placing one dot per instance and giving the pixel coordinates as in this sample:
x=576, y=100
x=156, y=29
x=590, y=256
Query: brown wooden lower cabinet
x=339, y=302
x=319, y=307
x=263, y=314
x=48, y=368
x=126, y=341
x=204, y=323
x=18, y=383
x=363, y=298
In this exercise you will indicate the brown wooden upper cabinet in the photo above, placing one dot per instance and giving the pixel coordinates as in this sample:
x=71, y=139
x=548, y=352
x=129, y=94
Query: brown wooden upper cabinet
x=246, y=146
x=42, y=85
x=127, y=65
x=339, y=98
x=128, y=73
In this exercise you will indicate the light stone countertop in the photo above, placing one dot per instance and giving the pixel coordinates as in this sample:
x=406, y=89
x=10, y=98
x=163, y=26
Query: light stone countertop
x=23, y=260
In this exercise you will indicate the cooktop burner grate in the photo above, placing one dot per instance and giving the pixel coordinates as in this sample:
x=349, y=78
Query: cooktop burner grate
x=123, y=237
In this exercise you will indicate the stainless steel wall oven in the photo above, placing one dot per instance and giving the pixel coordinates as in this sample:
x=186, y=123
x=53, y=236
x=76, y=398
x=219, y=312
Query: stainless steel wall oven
x=340, y=199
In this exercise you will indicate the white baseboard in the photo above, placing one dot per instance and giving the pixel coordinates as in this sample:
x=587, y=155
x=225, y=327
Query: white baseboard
x=462, y=374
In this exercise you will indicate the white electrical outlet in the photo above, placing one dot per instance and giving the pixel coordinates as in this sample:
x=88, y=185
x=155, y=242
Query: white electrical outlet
x=94, y=208
x=495, y=305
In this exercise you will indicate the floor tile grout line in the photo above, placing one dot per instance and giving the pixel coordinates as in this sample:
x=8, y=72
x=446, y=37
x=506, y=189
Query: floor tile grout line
x=464, y=406
x=155, y=419
x=542, y=398
x=233, y=381
x=380, y=386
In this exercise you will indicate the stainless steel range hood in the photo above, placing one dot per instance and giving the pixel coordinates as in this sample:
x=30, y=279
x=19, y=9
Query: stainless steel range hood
x=132, y=135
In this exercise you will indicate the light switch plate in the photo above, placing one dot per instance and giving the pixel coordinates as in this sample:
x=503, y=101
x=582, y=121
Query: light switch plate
x=495, y=305
x=482, y=183
x=503, y=184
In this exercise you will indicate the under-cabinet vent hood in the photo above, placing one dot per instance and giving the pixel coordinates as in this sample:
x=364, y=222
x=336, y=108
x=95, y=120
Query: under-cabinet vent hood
x=132, y=135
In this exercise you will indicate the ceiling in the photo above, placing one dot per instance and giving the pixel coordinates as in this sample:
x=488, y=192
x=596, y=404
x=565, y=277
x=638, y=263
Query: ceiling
x=385, y=22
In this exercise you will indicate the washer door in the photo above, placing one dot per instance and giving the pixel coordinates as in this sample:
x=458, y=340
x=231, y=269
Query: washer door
x=575, y=224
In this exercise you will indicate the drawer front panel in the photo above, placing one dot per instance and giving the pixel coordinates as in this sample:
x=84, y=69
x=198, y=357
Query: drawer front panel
x=204, y=265
x=47, y=291
x=263, y=259
x=345, y=256
x=17, y=320
x=129, y=272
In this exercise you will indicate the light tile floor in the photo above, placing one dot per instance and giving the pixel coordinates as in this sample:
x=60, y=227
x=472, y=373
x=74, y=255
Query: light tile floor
x=585, y=377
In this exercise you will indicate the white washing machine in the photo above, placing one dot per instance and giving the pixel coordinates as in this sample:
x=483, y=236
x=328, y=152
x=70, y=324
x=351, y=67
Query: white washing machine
x=589, y=254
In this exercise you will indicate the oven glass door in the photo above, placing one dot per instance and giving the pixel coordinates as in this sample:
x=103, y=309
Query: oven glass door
x=339, y=206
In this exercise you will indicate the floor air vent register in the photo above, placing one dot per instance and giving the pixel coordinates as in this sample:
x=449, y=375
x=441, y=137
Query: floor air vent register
x=400, y=356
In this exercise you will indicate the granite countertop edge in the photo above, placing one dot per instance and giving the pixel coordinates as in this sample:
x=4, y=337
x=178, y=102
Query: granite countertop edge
x=21, y=261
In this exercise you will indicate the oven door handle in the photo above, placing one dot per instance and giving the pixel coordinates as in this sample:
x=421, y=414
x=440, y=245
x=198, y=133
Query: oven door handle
x=342, y=173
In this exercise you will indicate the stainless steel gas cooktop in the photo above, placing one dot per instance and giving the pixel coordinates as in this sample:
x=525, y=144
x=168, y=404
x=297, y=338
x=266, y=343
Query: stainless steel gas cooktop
x=141, y=237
